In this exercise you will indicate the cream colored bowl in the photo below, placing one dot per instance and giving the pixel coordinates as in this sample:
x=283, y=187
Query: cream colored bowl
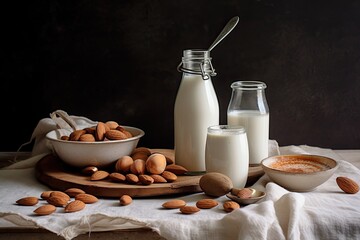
x=299, y=173
x=82, y=154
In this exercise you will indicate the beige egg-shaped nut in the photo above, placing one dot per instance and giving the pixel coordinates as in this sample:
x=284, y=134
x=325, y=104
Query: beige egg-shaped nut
x=138, y=167
x=156, y=163
x=123, y=164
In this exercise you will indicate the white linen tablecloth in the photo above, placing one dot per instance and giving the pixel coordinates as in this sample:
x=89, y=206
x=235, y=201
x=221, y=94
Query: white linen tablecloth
x=325, y=213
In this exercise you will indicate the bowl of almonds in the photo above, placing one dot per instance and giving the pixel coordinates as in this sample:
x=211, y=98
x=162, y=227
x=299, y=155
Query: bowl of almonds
x=99, y=145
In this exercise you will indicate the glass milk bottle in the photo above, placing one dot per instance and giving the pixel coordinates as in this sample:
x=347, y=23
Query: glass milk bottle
x=196, y=108
x=248, y=107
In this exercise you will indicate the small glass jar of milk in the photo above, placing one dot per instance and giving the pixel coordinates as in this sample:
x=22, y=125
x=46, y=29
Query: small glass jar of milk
x=248, y=107
x=196, y=108
x=227, y=152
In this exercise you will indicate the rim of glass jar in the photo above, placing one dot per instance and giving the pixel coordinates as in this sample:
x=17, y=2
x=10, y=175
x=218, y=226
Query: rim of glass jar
x=248, y=85
x=228, y=129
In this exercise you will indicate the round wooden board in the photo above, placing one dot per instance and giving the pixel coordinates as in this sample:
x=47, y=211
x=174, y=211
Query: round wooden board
x=51, y=171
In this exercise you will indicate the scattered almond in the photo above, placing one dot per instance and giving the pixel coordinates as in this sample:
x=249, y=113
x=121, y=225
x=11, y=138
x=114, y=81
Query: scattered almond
x=176, y=203
x=206, y=203
x=229, y=206
x=132, y=178
x=242, y=193
x=45, y=209
x=60, y=195
x=90, y=170
x=176, y=169
x=123, y=164
x=146, y=179
x=57, y=201
x=45, y=195
x=158, y=178
x=72, y=192
x=138, y=167
x=189, y=209
x=86, y=198
x=117, y=177
x=145, y=150
x=28, y=201
x=156, y=163
x=74, y=206
x=140, y=155
x=169, y=176
x=347, y=185
x=125, y=200
x=99, y=175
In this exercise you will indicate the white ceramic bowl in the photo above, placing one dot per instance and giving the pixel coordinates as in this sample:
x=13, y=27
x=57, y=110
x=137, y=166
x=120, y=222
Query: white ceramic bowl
x=82, y=154
x=300, y=173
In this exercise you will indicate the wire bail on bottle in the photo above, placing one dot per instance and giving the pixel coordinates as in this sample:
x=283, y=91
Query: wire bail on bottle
x=197, y=62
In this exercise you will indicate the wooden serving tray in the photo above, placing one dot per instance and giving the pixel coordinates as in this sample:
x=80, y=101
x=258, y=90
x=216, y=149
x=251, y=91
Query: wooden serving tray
x=54, y=173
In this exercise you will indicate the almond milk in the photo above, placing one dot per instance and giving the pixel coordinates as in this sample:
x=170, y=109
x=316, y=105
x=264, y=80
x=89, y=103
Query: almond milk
x=227, y=153
x=257, y=130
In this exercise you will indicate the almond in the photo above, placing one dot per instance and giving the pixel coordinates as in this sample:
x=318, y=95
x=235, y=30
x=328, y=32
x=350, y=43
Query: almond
x=123, y=164
x=28, y=201
x=140, y=155
x=46, y=194
x=189, y=209
x=169, y=176
x=176, y=169
x=132, y=178
x=229, y=206
x=175, y=203
x=60, y=195
x=57, y=201
x=100, y=131
x=90, y=130
x=117, y=177
x=138, y=167
x=206, y=203
x=347, y=185
x=145, y=150
x=158, y=178
x=146, y=179
x=112, y=124
x=115, y=135
x=90, y=170
x=125, y=200
x=156, y=163
x=74, y=206
x=86, y=198
x=45, y=209
x=242, y=193
x=99, y=175
x=87, y=137
x=75, y=135
x=65, y=138
x=72, y=192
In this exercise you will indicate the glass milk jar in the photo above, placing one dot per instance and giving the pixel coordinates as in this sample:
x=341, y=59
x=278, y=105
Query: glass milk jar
x=196, y=108
x=248, y=107
x=227, y=152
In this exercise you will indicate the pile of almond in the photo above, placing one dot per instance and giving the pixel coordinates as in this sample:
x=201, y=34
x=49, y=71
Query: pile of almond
x=141, y=167
x=103, y=131
x=71, y=200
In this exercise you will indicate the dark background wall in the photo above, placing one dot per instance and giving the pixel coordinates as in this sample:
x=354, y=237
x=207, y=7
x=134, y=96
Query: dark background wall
x=116, y=60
